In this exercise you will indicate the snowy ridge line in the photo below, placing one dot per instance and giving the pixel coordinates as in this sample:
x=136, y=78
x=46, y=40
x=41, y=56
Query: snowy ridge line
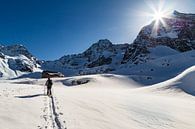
x=55, y=114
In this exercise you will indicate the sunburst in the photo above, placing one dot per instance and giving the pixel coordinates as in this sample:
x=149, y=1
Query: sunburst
x=157, y=14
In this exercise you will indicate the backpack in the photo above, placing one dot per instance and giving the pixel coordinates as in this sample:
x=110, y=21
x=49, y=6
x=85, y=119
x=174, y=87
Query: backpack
x=50, y=83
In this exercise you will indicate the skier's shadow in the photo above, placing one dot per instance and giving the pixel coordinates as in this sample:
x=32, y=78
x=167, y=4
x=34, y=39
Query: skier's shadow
x=30, y=96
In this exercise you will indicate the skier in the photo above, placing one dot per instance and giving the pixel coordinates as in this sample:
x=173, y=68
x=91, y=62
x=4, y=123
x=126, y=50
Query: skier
x=49, y=84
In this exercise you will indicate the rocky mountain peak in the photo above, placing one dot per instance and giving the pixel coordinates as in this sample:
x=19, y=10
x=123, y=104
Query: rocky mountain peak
x=98, y=48
x=101, y=44
x=16, y=50
x=177, y=32
x=16, y=60
x=104, y=42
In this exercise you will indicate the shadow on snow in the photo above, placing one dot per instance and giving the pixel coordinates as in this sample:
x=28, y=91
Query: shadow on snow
x=30, y=96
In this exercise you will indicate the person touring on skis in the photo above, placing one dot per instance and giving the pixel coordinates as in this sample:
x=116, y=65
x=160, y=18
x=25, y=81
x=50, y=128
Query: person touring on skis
x=49, y=84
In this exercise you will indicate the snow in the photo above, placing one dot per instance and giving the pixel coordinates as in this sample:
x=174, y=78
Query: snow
x=155, y=88
x=172, y=34
x=184, y=81
x=15, y=66
x=162, y=66
x=16, y=60
x=105, y=101
x=17, y=112
x=161, y=51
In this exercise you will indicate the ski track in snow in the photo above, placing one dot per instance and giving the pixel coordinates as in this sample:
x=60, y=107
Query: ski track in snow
x=51, y=116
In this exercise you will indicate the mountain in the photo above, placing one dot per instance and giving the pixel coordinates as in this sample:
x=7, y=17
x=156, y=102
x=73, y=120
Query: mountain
x=16, y=60
x=101, y=57
x=158, y=48
x=177, y=32
x=176, y=35
x=79, y=102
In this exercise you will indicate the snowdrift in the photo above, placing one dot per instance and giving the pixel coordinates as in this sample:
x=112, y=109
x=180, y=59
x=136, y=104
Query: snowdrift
x=184, y=81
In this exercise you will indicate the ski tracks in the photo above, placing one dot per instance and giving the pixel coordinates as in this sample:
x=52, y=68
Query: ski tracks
x=52, y=115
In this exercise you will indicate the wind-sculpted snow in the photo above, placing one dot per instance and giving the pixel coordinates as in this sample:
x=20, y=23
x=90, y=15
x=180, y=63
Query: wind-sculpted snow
x=183, y=82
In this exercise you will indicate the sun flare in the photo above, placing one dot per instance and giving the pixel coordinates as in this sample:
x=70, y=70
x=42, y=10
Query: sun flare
x=158, y=16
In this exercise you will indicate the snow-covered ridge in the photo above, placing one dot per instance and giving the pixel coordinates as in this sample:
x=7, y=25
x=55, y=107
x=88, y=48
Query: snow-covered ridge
x=184, y=15
x=16, y=50
x=101, y=57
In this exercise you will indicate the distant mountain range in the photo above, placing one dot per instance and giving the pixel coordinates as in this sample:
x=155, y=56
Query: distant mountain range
x=167, y=48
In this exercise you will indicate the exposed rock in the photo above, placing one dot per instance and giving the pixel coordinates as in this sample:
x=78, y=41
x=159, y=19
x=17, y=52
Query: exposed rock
x=2, y=56
x=97, y=57
x=100, y=61
x=21, y=65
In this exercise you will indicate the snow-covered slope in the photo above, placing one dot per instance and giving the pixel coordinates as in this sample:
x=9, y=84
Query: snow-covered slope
x=160, y=69
x=183, y=82
x=105, y=101
x=15, y=60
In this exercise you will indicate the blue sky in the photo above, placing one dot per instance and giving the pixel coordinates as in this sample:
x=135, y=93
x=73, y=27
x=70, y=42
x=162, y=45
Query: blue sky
x=53, y=28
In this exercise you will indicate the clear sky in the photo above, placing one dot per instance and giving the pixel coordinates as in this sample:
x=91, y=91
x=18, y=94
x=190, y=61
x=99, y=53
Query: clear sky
x=53, y=28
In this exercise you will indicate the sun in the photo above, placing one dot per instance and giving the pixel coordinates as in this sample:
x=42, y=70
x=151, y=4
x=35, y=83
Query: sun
x=158, y=16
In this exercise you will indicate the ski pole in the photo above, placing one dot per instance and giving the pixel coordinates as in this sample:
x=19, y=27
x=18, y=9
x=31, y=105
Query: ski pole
x=44, y=90
x=52, y=91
